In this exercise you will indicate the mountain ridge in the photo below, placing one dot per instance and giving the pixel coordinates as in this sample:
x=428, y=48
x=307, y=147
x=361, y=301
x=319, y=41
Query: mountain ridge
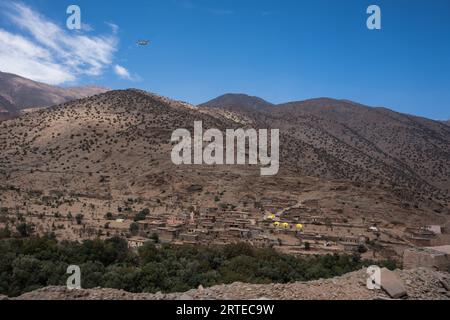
x=24, y=93
x=330, y=139
x=357, y=135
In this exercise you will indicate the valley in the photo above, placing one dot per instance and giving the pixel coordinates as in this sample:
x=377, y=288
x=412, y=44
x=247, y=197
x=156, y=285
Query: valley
x=101, y=166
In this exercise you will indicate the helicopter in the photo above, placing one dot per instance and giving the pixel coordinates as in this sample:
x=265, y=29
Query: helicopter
x=143, y=42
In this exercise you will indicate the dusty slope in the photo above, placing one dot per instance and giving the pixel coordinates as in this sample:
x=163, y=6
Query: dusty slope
x=7, y=107
x=116, y=145
x=339, y=139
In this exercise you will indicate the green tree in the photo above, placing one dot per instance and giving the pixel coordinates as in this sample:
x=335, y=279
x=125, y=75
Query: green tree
x=307, y=246
x=5, y=233
x=24, y=229
x=155, y=237
x=109, y=216
x=134, y=228
x=362, y=248
x=79, y=218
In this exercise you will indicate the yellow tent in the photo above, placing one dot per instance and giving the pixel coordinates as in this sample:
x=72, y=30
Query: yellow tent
x=272, y=217
x=285, y=225
x=276, y=223
x=299, y=226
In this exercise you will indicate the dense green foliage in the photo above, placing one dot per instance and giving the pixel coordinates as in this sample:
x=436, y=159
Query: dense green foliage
x=28, y=264
x=142, y=215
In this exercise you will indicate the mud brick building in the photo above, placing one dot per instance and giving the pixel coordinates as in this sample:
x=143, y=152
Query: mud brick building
x=431, y=257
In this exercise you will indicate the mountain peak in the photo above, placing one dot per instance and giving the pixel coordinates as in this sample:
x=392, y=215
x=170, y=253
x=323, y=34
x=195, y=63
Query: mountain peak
x=237, y=101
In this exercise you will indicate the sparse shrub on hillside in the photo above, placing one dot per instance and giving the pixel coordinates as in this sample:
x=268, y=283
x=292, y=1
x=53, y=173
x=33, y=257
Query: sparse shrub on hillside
x=223, y=206
x=109, y=216
x=79, y=218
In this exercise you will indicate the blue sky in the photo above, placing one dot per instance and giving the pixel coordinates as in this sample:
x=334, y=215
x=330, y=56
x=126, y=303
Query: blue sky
x=279, y=50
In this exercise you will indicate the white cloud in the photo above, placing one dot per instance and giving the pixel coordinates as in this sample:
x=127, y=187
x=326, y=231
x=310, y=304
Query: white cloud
x=22, y=57
x=122, y=72
x=114, y=27
x=86, y=27
x=45, y=52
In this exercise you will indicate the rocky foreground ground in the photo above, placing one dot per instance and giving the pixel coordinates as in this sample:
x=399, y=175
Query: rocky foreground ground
x=420, y=284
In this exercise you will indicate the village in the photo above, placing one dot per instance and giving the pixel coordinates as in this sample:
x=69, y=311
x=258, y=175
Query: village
x=293, y=228
x=296, y=226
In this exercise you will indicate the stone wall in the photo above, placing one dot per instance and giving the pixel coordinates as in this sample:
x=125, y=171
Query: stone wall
x=425, y=257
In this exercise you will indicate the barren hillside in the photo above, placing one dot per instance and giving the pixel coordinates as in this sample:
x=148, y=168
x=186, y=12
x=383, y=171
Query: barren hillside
x=7, y=110
x=338, y=139
x=237, y=102
x=110, y=154
x=24, y=93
